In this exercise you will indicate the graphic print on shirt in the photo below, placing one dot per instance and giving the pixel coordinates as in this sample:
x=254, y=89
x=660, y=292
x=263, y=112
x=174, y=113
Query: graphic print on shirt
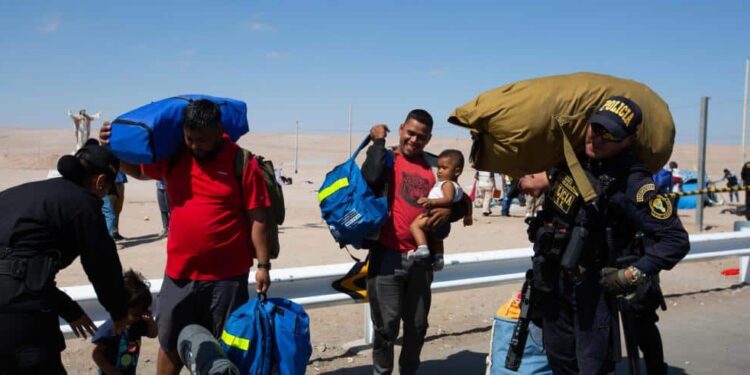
x=127, y=354
x=413, y=187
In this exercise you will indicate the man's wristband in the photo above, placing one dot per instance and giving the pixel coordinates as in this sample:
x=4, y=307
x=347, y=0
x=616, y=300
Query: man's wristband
x=266, y=266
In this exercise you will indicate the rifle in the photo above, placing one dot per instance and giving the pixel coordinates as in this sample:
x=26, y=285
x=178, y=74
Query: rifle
x=521, y=331
x=620, y=304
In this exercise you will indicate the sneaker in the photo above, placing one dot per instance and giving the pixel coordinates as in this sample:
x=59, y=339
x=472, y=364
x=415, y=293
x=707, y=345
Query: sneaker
x=486, y=213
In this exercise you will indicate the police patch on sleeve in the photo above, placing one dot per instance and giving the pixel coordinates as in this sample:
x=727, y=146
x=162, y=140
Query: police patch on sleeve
x=661, y=207
x=640, y=197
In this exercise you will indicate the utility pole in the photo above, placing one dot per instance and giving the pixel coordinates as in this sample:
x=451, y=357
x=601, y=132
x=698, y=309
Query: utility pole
x=744, y=112
x=296, y=148
x=701, y=161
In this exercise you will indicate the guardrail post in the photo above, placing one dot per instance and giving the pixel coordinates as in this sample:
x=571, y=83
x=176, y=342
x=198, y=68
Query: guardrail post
x=744, y=274
x=744, y=260
x=369, y=331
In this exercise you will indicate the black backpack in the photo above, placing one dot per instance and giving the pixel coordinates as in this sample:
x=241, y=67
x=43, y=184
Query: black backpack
x=276, y=212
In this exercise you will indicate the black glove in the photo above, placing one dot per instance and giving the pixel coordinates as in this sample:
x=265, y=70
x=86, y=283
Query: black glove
x=615, y=282
x=438, y=262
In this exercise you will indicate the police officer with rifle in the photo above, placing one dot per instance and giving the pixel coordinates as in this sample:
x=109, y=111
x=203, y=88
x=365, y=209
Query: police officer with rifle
x=595, y=259
x=44, y=227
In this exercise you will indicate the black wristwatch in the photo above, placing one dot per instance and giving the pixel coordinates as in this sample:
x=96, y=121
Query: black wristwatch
x=264, y=265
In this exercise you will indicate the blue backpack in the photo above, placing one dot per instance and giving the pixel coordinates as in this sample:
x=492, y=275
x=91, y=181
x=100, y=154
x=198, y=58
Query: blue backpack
x=154, y=132
x=268, y=334
x=349, y=207
x=247, y=338
x=291, y=336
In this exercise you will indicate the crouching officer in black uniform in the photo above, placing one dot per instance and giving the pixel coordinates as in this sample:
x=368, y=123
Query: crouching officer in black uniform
x=586, y=254
x=44, y=226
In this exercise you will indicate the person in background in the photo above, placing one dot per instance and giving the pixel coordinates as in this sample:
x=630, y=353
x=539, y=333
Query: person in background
x=117, y=198
x=732, y=181
x=663, y=179
x=745, y=174
x=533, y=204
x=512, y=192
x=218, y=224
x=117, y=354
x=676, y=183
x=161, y=198
x=109, y=214
x=485, y=185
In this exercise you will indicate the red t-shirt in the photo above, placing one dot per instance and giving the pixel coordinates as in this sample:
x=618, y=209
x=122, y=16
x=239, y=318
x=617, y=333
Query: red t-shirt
x=209, y=234
x=407, y=182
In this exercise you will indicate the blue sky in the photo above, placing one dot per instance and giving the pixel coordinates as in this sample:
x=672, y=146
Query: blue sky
x=308, y=60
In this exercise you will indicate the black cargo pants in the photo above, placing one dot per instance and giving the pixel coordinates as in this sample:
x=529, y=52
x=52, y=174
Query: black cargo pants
x=30, y=343
x=398, y=289
x=577, y=327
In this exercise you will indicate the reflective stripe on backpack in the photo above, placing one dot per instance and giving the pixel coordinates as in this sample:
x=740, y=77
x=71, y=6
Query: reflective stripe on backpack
x=235, y=341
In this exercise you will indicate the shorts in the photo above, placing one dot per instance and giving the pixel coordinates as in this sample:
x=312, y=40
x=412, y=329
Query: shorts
x=207, y=303
x=440, y=233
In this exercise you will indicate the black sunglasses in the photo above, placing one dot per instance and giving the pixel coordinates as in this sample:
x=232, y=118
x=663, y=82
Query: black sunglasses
x=600, y=131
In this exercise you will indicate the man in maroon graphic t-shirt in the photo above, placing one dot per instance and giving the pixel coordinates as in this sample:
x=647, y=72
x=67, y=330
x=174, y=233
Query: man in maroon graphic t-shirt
x=398, y=284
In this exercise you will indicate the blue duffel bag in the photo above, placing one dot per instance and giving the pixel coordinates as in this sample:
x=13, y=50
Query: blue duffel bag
x=154, y=132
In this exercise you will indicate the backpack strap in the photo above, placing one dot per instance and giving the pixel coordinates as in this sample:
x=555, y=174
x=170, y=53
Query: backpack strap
x=361, y=146
x=240, y=162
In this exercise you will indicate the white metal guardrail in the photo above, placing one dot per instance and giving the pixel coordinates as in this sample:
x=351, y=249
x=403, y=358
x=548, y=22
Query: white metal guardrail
x=311, y=286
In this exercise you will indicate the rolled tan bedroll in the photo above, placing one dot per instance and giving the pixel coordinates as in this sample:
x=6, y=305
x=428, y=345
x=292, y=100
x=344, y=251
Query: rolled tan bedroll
x=523, y=127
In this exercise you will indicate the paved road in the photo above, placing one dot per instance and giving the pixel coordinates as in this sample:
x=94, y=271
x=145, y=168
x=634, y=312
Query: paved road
x=706, y=330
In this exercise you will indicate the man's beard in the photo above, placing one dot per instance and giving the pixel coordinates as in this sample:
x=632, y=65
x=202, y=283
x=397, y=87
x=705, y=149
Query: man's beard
x=206, y=155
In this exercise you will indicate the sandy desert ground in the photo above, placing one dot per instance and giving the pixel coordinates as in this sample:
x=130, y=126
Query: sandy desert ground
x=28, y=154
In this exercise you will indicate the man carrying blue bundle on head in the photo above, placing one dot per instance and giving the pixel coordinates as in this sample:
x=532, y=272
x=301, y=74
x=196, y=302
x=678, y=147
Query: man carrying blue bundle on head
x=217, y=225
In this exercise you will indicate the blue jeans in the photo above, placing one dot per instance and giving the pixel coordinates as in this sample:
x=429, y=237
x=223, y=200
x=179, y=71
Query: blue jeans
x=109, y=214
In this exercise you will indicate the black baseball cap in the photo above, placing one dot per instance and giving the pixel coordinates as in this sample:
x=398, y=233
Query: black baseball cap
x=619, y=115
